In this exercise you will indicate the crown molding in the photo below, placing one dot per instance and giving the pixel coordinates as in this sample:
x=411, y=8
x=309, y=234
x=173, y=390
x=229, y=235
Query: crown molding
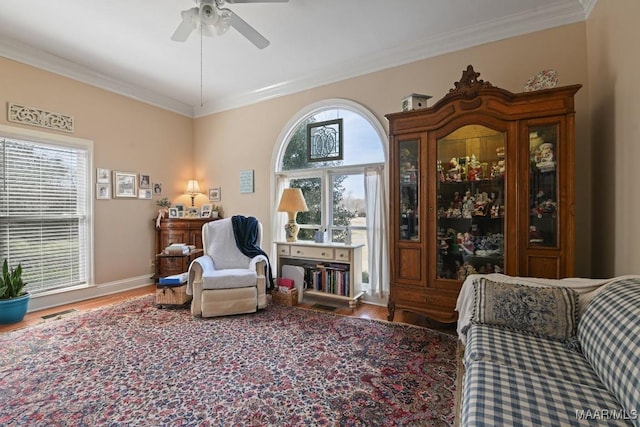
x=566, y=12
x=29, y=55
x=588, y=6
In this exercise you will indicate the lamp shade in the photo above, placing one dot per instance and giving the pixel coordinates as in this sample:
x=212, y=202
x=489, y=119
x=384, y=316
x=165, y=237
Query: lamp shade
x=193, y=187
x=292, y=200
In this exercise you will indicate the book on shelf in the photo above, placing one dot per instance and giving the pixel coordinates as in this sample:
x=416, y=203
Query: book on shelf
x=330, y=278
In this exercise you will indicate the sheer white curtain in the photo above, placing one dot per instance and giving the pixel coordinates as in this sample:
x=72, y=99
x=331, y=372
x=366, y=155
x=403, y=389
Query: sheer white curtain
x=377, y=240
x=279, y=218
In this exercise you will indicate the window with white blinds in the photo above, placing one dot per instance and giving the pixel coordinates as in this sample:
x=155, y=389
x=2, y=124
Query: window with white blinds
x=44, y=212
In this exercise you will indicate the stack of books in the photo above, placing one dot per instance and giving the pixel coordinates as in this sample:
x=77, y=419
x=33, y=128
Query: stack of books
x=177, y=249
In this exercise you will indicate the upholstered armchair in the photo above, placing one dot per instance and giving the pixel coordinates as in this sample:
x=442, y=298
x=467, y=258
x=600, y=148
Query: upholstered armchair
x=224, y=281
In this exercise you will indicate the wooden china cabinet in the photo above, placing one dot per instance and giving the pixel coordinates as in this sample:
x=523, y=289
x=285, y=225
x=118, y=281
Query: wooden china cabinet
x=481, y=182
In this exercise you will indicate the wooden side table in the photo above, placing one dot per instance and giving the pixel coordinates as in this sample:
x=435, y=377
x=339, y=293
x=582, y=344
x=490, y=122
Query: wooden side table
x=168, y=265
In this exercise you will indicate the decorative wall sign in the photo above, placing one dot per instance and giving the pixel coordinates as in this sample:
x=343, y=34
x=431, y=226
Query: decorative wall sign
x=246, y=181
x=324, y=141
x=36, y=117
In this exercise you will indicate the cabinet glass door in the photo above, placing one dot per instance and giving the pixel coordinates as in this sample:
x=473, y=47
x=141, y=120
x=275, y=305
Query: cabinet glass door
x=543, y=186
x=409, y=180
x=470, y=200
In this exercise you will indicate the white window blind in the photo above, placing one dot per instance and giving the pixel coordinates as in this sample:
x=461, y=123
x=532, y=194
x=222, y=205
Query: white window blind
x=44, y=206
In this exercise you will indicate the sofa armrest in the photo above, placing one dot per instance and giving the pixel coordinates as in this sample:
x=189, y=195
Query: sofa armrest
x=196, y=269
x=260, y=266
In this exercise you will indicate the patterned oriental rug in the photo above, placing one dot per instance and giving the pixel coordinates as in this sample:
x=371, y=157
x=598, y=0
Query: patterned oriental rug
x=136, y=365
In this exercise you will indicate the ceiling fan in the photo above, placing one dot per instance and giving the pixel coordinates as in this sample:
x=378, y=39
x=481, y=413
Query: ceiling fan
x=212, y=18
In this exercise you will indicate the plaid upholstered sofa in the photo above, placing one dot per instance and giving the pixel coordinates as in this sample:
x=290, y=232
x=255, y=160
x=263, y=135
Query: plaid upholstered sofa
x=550, y=352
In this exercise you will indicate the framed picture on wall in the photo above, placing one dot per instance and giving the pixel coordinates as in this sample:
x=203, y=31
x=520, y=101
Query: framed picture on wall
x=145, y=193
x=125, y=185
x=214, y=194
x=103, y=191
x=145, y=181
x=102, y=176
x=324, y=141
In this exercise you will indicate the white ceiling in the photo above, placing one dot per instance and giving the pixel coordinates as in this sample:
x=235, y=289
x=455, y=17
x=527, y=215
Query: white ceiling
x=125, y=45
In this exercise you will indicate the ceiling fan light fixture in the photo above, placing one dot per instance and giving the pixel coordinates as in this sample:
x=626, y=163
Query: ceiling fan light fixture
x=208, y=13
x=210, y=16
x=207, y=30
x=224, y=23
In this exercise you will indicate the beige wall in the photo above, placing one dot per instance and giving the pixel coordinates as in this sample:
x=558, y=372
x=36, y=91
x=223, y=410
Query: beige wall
x=132, y=136
x=128, y=136
x=612, y=37
x=246, y=138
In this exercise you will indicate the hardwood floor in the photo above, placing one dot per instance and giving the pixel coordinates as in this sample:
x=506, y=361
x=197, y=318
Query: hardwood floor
x=365, y=311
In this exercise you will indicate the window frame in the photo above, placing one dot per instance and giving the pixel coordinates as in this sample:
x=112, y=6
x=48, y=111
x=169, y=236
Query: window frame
x=64, y=141
x=281, y=176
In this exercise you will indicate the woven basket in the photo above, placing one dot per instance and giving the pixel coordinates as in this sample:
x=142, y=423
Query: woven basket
x=285, y=298
x=173, y=295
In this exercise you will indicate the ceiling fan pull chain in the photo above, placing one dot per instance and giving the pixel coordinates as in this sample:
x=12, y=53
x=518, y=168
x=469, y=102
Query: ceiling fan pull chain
x=201, y=65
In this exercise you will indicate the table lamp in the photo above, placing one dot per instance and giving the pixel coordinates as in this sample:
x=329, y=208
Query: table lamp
x=292, y=202
x=193, y=189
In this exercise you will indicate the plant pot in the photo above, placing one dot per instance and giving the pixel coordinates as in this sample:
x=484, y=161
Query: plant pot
x=12, y=310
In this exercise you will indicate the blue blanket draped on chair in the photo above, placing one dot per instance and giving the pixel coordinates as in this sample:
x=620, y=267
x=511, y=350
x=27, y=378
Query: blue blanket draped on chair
x=245, y=231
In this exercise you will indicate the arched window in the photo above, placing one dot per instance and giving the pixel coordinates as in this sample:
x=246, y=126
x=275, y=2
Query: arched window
x=335, y=173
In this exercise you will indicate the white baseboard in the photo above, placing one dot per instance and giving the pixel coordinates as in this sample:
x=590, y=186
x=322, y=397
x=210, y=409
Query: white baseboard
x=68, y=296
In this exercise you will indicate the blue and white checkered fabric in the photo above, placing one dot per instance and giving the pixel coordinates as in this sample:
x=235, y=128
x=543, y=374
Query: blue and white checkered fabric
x=528, y=353
x=497, y=395
x=609, y=333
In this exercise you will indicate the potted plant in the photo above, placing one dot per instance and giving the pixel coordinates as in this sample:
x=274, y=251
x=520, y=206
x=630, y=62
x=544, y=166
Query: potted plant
x=14, y=300
x=164, y=204
x=216, y=211
x=163, y=212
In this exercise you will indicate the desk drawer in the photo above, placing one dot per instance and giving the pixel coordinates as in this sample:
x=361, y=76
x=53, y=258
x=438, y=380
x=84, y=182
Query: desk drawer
x=310, y=252
x=284, y=249
x=173, y=265
x=343, y=255
x=424, y=297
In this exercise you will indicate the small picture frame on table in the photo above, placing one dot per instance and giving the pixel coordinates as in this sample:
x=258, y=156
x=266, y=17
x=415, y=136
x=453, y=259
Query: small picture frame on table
x=181, y=210
x=193, y=213
x=173, y=212
x=205, y=211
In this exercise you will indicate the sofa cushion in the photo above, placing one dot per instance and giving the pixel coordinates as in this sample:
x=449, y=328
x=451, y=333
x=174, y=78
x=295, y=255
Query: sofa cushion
x=609, y=333
x=548, y=312
x=532, y=354
x=498, y=395
x=229, y=278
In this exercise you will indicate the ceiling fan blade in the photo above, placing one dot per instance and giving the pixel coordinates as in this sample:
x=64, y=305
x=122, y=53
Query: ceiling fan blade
x=247, y=30
x=256, y=1
x=188, y=24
